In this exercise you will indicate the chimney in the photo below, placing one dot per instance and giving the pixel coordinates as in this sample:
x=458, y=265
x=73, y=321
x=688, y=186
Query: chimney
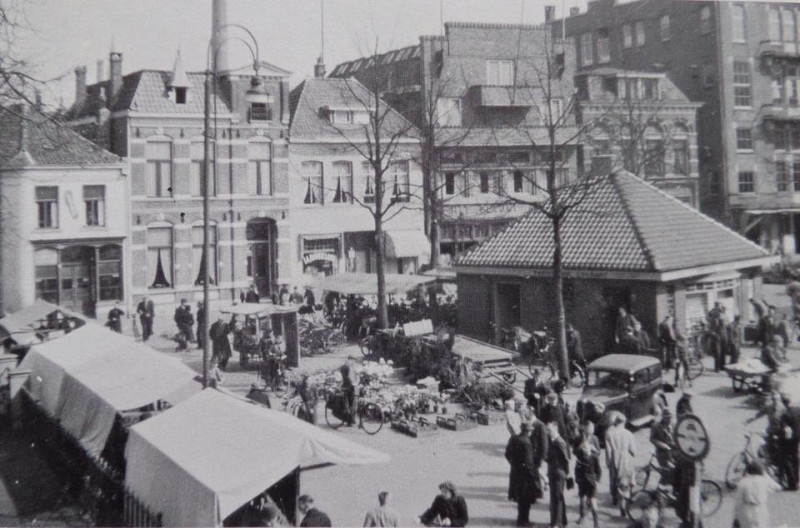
x=80, y=84
x=319, y=68
x=549, y=13
x=574, y=11
x=219, y=33
x=114, y=75
x=601, y=165
x=99, y=71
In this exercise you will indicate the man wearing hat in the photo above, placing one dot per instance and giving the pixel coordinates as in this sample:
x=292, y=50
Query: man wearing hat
x=184, y=320
x=684, y=405
x=552, y=411
x=661, y=438
x=522, y=481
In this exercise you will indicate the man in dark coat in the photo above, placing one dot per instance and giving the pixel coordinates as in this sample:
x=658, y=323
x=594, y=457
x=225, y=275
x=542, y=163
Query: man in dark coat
x=312, y=516
x=558, y=456
x=221, y=347
x=667, y=341
x=574, y=346
x=184, y=321
x=788, y=444
x=201, y=316
x=448, y=506
x=522, y=478
x=115, y=318
x=146, y=311
x=252, y=295
x=552, y=411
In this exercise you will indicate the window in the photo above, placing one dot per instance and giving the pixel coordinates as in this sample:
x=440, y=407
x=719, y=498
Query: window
x=778, y=88
x=639, y=32
x=197, y=254
x=47, y=206
x=601, y=146
x=312, y=182
x=781, y=176
x=741, y=83
x=650, y=89
x=484, y=182
x=775, y=24
x=486, y=157
x=94, y=198
x=666, y=33
x=401, y=189
x=180, y=95
x=449, y=183
x=680, y=154
x=555, y=110
x=499, y=72
x=159, y=257
x=789, y=30
x=342, y=181
x=603, y=46
x=452, y=156
x=796, y=176
x=159, y=169
x=45, y=263
x=739, y=25
x=746, y=182
x=627, y=36
x=705, y=20
x=587, y=56
x=341, y=117
x=499, y=182
x=519, y=156
x=367, y=175
x=519, y=181
x=260, y=112
x=109, y=273
x=197, y=170
x=654, y=164
x=259, y=169
x=448, y=112
x=708, y=76
x=744, y=139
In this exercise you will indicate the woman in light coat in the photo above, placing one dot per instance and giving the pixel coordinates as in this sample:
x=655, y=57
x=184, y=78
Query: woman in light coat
x=752, y=497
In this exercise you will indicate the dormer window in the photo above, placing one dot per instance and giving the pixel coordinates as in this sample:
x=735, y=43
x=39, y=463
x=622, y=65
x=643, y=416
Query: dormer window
x=180, y=95
x=650, y=89
x=499, y=72
x=342, y=117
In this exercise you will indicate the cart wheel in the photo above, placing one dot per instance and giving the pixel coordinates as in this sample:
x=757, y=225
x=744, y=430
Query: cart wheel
x=371, y=418
x=510, y=377
x=332, y=420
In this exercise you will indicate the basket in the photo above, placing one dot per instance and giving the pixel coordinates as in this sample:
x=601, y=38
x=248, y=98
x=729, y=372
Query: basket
x=415, y=428
x=459, y=422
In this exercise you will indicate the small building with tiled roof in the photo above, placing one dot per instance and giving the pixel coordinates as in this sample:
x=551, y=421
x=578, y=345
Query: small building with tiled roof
x=61, y=241
x=332, y=182
x=155, y=119
x=627, y=245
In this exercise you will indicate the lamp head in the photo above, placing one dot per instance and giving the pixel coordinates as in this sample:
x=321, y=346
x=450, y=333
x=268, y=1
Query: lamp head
x=256, y=93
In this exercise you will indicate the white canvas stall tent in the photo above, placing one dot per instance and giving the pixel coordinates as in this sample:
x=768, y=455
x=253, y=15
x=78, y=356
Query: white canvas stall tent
x=89, y=375
x=367, y=283
x=203, y=459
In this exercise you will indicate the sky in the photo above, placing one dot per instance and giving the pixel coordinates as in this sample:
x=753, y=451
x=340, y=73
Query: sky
x=62, y=34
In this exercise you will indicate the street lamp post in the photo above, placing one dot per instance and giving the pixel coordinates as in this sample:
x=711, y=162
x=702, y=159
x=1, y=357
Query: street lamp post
x=255, y=94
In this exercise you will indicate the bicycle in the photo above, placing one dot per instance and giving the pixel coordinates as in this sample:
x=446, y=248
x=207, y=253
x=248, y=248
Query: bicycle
x=542, y=349
x=660, y=496
x=755, y=448
x=272, y=372
x=370, y=416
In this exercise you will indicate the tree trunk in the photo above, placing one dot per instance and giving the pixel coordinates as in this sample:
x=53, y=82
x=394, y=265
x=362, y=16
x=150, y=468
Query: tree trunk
x=558, y=282
x=383, y=315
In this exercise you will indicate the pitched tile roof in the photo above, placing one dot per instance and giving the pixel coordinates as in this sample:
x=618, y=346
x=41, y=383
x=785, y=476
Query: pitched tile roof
x=626, y=224
x=310, y=97
x=37, y=140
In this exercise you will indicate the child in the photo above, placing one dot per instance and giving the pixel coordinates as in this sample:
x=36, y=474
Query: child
x=587, y=474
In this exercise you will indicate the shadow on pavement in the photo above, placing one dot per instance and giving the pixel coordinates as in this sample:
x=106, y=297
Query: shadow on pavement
x=490, y=493
x=486, y=448
x=719, y=392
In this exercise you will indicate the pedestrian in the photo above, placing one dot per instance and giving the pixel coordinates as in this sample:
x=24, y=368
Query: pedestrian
x=283, y=295
x=553, y=412
x=309, y=298
x=201, y=317
x=623, y=325
x=662, y=439
x=349, y=393
x=587, y=473
x=681, y=361
x=535, y=389
x=540, y=443
x=311, y=515
x=667, y=341
x=382, y=515
x=788, y=444
x=558, y=458
x=513, y=420
x=184, y=320
x=115, y=318
x=734, y=340
x=752, y=497
x=296, y=297
x=522, y=478
x=252, y=295
x=641, y=336
x=620, y=454
x=448, y=508
x=221, y=346
x=767, y=328
x=629, y=344
x=575, y=347
x=146, y=311
x=684, y=405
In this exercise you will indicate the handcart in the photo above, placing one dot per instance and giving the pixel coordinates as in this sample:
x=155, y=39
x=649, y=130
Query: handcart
x=487, y=360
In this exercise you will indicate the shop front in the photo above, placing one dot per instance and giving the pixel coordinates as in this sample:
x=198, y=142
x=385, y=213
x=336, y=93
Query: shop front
x=320, y=254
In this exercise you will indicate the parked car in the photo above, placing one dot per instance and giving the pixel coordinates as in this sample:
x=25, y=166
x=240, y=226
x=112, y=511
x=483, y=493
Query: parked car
x=620, y=382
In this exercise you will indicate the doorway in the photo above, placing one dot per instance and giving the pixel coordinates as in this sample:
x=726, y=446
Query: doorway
x=260, y=260
x=77, y=283
x=508, y=312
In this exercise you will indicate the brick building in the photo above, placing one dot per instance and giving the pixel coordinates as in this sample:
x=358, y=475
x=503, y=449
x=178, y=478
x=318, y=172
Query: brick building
x=480, y=86
x=636, y=255
x=155, y=120
x=64, y=217
x=742, y=61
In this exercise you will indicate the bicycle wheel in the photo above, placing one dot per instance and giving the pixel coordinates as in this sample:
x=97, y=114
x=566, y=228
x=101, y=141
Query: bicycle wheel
x=332, y=420
x=735, y=470
x=509, y=377
x=639, y=504
x=577, y=378
x=696, y=368
x=710, y=497
x=371, y=418
x=641, y=477
x=336, y=339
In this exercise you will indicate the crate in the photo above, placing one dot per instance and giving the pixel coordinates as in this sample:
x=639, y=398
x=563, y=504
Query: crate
x=415, y=428
x=459, y=422
x=489, y=418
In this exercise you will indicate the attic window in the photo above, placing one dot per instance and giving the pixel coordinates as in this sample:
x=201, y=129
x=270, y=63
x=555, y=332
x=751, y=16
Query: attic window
x=260, y=112
x=180, y=95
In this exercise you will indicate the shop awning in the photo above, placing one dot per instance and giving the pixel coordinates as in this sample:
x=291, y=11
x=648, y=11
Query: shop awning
x=403, y=244
x=89, y=375
x=367, y=283
x=200, y=461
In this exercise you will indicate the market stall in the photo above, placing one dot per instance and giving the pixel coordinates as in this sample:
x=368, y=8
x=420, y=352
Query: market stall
x=36, y=323
x=367, y=283
x=202, y=460
x=258, y=317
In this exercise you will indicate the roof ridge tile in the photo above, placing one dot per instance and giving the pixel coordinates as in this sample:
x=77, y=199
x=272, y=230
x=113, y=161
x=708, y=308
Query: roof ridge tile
x=651, y=258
